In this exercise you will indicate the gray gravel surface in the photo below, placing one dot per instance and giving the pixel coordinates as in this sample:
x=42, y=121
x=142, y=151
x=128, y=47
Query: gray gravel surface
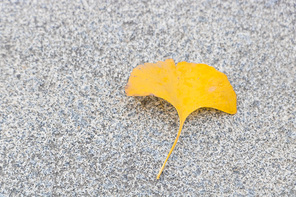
x=67, y=128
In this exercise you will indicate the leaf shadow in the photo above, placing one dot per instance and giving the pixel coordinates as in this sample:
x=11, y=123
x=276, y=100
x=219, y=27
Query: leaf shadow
x=152, y=103
x=157, y=106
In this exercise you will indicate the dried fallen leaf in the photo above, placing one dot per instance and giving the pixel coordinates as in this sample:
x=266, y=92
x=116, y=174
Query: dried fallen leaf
x=187, y=86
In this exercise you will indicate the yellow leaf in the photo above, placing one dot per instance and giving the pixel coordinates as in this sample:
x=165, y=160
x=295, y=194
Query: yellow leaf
x=187, y=86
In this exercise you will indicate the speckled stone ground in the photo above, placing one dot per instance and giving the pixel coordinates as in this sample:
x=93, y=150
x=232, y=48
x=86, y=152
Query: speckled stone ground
x=67, y=128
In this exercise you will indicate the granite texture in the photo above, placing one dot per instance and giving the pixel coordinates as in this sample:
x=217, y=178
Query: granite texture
x=67, y=128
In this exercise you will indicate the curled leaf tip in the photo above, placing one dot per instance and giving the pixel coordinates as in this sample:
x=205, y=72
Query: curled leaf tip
x=187, y=86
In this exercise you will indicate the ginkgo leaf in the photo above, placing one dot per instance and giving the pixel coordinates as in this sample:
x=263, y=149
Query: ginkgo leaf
x=187, y=86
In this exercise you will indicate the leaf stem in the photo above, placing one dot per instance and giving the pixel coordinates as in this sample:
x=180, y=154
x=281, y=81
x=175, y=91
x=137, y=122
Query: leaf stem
x=176, y=140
